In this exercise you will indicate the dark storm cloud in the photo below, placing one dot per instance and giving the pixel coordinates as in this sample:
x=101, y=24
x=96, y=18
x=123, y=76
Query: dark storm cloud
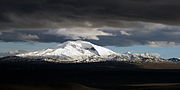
x=103, y=22
x=155, y=38
x=30, y=36
x=167, y=36
x=70, y=13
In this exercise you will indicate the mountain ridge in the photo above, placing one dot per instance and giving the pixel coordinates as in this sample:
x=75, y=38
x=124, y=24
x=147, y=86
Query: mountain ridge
x=83, y=51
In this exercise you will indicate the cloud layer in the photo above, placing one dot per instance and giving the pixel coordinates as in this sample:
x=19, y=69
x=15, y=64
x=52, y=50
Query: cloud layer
x=85, y=13
x=152, y=34
x=78, y=33
x=103, y=22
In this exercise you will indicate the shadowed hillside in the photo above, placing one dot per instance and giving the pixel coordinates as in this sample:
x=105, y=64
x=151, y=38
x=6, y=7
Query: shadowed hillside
x=41, y=75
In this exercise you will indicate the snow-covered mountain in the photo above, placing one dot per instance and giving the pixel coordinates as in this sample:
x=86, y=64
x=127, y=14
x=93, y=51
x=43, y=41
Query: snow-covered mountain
x=83, y=51
x=71, y=50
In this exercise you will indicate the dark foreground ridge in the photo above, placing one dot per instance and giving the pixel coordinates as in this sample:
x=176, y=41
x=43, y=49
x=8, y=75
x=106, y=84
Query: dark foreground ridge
x=20, y=74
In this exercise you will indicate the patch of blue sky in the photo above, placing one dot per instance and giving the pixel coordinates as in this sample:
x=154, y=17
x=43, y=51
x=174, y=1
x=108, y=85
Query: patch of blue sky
x=11, y=46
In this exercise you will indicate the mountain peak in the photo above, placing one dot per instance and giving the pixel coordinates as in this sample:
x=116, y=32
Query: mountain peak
x=84, y=45
x=75, y=43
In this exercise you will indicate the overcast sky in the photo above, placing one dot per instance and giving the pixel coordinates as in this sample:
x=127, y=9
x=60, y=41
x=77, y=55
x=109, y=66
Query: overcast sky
x=121, y=23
